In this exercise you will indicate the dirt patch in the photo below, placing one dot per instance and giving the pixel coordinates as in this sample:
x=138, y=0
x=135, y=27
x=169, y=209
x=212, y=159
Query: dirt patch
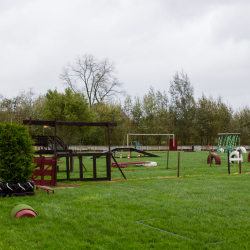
x=118, y=179
x=67, y=185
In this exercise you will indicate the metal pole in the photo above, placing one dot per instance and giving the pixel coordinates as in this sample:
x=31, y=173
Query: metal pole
x=239, y=155
x=178, y=169
x=228, y=156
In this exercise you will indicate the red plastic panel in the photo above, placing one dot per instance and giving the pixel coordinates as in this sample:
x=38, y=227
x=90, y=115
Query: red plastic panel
x=171, y=146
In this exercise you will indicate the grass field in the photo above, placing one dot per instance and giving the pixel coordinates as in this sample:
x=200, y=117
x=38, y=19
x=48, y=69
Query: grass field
x=205, y=208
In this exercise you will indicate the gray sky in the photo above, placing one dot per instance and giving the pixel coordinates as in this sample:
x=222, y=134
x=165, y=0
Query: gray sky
x=149, y=40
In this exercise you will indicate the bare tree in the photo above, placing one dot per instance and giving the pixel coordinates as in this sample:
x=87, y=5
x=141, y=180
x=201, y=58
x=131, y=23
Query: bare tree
x=93, y=77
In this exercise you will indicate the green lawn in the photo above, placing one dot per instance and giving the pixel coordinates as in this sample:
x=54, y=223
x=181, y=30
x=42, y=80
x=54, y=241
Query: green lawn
x=203, y=209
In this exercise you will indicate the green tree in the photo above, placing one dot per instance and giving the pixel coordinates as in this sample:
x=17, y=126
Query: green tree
x=205, y=120
x=224, y=117
x=21, y=107
x=127, y=114
x=241, y=124
x=149, y=115
x=155, y=113
x=68, y=106
x=212, y=117
x=107, y=112
x=182, y=107
x=16, y=153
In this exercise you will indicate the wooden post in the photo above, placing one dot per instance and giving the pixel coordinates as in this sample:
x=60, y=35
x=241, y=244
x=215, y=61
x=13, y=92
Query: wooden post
x=108, y=169
x=210, y=160
x=55, y=152
x=109, y=136
x=228, y=166
x=67, y=166
x=178, y=168
x=80, y=167
x=94, y=168
x=30, y=126
x=108, y=162
x=167, y=157
x=71, y=163
x=119, y=167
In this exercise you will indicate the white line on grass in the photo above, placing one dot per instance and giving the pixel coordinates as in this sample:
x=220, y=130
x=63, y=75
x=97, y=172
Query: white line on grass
x=139, y=221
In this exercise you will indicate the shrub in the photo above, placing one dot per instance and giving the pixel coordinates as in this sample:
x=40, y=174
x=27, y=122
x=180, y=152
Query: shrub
x=16, y=153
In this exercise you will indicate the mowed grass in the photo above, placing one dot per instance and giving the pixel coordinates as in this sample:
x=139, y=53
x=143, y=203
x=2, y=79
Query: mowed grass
x=205, y=208
x=191, y=164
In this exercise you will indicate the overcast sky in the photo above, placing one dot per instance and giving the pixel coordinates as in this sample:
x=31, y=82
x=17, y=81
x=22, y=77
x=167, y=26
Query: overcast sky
x=149, y=40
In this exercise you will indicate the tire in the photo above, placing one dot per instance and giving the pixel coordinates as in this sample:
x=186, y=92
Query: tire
x=237, y=154
x=18, y=189
x=21, y=207
x=216, y=157
x=243, y=150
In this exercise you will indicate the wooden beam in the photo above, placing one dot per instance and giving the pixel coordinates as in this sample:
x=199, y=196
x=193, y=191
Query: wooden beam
x=91, y=124
x=40, y=122
x=69, y=123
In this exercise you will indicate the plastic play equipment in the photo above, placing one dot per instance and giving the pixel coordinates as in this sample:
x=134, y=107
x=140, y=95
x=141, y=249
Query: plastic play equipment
x=137, y=144
x=228, y=142
x=238, y=158
x=173, y=145
x=23, y=210
x=220, y=150
x=151, y=164
x=242, y=150
x=216, y=158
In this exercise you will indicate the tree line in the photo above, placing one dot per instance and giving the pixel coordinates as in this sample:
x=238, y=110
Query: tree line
x=89, y=96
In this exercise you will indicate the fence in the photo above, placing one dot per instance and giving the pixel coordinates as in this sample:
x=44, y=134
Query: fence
x=81, y=148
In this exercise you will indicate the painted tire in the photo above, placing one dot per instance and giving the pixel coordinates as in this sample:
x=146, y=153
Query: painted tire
x=243, y=150
x=237, y=154
x=216, y=157
x=19, y=189
x=23, y=210
x=25, y=213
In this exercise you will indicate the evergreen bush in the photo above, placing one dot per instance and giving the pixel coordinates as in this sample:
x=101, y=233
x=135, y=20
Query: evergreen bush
x=16, y=153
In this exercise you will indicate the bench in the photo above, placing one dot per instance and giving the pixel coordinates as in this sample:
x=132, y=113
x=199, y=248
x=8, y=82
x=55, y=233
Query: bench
x=45, y=188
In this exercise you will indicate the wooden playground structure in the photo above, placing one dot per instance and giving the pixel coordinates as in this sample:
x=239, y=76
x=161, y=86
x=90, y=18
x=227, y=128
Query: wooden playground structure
x=58, y=153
